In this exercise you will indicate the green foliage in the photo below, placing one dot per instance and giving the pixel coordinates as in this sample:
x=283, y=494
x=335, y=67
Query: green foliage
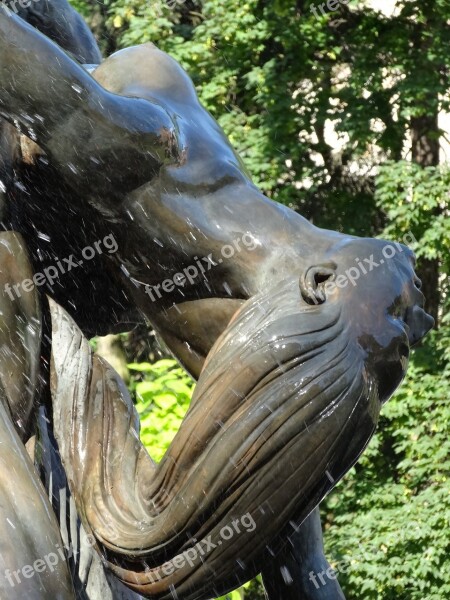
x=252, y=590
x=163, y=392
x=81, y=6
x=388, y=521
x=416, y=200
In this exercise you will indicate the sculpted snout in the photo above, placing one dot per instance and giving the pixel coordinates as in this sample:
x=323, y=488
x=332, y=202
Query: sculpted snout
x=388, y=277
x=419, y=323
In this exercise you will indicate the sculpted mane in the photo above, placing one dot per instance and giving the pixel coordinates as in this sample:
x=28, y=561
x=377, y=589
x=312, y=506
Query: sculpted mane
x=248, y=433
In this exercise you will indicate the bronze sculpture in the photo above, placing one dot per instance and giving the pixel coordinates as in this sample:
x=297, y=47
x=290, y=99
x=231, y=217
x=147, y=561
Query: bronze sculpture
x=305, y=332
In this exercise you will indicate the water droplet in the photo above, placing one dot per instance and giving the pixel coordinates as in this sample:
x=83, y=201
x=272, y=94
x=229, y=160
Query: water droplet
x=286, y=575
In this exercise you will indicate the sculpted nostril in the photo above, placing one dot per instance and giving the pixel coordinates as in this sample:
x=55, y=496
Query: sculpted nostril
x=418, y=283
x=313, y=282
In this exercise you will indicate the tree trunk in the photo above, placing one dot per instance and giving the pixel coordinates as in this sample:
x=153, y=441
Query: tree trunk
x=425, y=152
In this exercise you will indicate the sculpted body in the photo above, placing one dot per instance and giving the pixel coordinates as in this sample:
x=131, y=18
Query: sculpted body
x=160, y=173
x=292, y=389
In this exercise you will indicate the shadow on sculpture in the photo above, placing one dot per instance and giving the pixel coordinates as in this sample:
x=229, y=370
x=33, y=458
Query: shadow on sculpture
x=296, y=339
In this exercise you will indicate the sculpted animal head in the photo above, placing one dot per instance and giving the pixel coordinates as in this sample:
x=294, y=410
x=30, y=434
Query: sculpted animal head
x=381, y=299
